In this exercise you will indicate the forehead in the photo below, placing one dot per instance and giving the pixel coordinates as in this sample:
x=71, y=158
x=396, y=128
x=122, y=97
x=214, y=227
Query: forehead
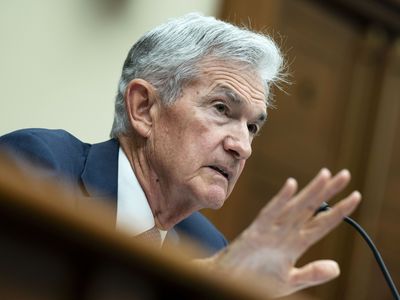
x=233, y=79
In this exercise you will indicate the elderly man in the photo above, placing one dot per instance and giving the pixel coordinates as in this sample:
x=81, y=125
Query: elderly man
x=192, y=97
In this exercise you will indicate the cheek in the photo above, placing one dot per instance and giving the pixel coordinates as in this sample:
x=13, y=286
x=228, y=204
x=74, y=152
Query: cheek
x=205, y=146
x=199, y=137
x=186, y=143
x=241, y=167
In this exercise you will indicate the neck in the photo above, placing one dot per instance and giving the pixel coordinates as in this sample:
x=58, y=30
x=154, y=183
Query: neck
x=167, y=211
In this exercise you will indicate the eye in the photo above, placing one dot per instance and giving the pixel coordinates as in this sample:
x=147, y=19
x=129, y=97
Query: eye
x=221, y=108
x=253, y=128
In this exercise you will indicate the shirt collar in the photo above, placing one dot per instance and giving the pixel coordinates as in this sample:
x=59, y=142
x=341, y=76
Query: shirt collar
x=134, y=214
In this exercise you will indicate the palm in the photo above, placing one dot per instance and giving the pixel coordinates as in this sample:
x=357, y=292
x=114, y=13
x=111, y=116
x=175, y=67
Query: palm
x=285, y=228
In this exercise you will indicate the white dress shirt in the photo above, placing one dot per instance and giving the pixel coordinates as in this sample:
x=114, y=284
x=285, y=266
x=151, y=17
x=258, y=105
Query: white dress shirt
x=134, y=214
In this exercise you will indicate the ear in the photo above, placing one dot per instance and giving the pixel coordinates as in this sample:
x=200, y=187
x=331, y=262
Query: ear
x=140, y=103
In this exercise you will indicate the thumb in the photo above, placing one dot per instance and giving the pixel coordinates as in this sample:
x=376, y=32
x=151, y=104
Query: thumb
x=314, y=273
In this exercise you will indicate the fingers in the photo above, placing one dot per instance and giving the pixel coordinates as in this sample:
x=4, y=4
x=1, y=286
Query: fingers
x=274, y=207
x=320, y=189
x=324, y=222
x=294, y=212
x=337, y=184
x=313, y=189
x=314, y=273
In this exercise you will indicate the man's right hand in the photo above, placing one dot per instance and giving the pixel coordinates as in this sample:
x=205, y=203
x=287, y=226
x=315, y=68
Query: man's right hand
x=285, y=228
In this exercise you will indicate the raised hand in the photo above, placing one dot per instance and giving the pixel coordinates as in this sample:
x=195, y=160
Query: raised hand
x=285, y=228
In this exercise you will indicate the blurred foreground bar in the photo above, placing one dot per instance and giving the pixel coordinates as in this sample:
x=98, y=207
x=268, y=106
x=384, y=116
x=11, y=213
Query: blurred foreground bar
x=56, y=246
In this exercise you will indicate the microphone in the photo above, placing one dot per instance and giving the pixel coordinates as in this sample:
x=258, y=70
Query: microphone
x=324, y=207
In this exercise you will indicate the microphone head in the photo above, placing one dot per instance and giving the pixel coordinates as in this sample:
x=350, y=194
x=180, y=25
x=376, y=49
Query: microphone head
x=324, y=206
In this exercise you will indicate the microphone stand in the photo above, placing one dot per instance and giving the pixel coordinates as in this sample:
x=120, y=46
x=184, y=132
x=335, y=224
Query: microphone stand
x=373, y=248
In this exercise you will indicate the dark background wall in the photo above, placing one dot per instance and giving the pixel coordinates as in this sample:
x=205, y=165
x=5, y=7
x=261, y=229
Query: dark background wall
x=341, y=110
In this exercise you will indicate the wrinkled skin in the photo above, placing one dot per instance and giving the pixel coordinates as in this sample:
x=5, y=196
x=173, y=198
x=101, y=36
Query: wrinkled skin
x=189, y=155
x=285, y=228
x=195, y=149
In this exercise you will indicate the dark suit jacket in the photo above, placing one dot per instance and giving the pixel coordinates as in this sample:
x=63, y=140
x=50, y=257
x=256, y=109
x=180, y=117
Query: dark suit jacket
x=93, y=169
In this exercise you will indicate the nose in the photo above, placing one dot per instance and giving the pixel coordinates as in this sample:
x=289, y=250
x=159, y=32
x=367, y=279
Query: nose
x=238, y=142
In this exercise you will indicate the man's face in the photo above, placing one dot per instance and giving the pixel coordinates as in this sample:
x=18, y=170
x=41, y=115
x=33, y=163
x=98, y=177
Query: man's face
x=199, y=145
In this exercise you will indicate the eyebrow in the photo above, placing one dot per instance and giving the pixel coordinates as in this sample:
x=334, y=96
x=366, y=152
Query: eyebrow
x=236, y=98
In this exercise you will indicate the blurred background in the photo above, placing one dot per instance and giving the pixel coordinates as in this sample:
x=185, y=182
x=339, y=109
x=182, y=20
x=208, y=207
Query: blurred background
x=61, y=60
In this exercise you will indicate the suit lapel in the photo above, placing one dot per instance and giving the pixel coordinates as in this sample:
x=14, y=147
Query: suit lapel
x=100, y=177
x=100, y=173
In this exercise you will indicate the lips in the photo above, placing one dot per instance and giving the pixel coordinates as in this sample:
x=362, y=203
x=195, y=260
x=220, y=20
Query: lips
x=221, y=170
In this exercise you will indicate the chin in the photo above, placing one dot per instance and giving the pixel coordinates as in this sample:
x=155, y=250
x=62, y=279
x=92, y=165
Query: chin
x=216, y=204
x=215, y=199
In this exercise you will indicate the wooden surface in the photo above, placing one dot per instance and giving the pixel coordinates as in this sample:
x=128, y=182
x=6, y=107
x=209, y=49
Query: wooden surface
x=55, y=245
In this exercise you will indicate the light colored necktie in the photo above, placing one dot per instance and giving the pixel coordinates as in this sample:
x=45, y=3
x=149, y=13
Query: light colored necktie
x=151, y=237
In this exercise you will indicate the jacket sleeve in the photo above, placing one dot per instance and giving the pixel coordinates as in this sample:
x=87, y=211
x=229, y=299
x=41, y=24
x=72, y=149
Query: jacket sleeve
x=46, y=153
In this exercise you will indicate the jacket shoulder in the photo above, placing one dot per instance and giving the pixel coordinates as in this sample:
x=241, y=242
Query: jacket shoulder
x=47, y=148
x=203, y=231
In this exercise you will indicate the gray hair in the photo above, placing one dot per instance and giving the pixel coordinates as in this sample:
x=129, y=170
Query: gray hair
x=169, y=56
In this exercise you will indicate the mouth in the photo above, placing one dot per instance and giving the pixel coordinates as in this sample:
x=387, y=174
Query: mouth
x=222, y=171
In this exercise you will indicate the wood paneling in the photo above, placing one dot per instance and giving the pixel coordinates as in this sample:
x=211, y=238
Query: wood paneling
x=381, y=209
x=340, y=111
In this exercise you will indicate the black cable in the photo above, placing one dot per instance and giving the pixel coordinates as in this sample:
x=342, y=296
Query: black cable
x=377, y=255
x=375, y=251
